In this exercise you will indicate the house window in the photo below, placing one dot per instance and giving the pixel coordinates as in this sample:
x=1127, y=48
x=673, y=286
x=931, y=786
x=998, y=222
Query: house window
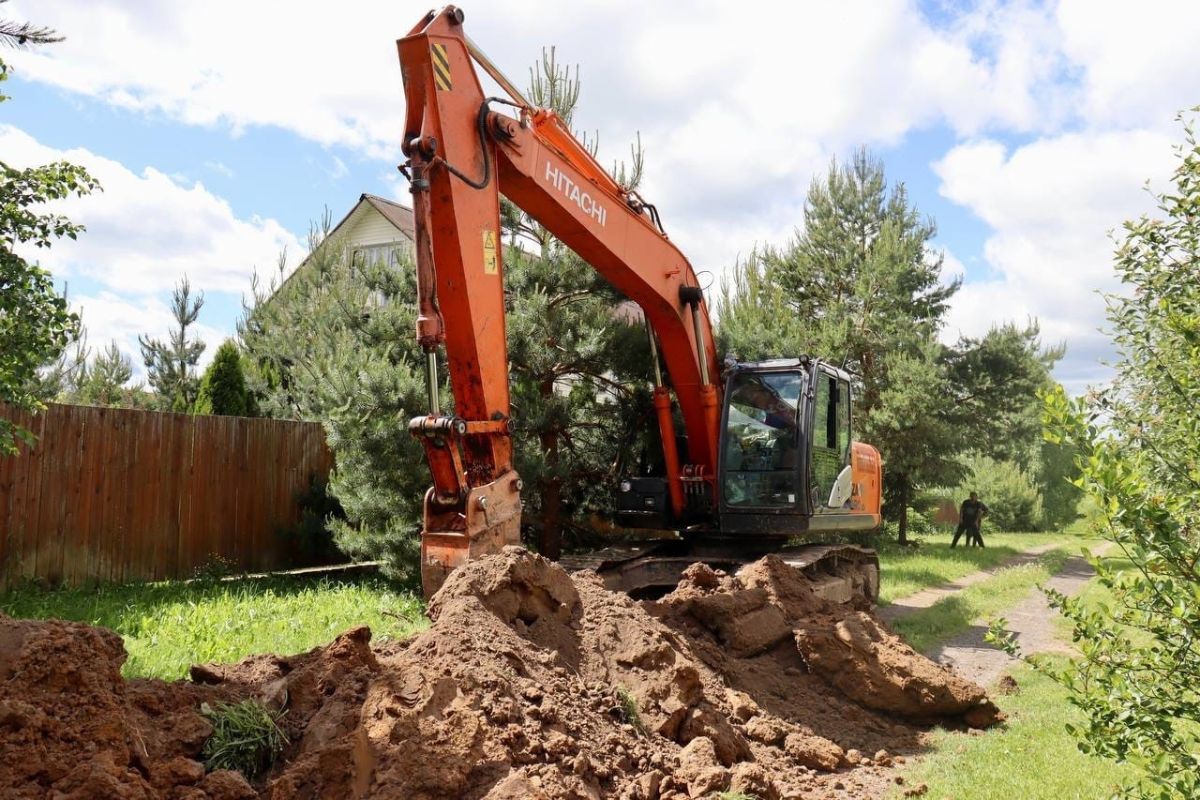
x=388, y=253
x=371, y=254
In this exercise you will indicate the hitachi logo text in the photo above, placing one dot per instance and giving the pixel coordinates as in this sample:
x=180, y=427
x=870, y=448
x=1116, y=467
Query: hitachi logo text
x=575, y=194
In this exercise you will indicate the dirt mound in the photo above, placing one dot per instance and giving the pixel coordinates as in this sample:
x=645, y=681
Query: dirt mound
x=768, y=605
x=70, y=726
x=529, y=683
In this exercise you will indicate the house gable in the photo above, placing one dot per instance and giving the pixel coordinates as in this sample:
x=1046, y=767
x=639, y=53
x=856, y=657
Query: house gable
x=374, y=229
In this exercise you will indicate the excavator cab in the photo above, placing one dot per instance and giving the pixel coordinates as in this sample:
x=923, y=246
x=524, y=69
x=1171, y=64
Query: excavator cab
x=789, y=466
x=791, y=480
x=788, y=461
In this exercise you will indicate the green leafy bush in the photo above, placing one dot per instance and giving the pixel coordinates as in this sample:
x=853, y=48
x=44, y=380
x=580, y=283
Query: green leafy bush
x=35, y=322
x=1137, y=678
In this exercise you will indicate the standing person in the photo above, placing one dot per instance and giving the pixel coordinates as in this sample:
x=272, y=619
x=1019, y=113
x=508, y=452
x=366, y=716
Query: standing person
x=970, y=517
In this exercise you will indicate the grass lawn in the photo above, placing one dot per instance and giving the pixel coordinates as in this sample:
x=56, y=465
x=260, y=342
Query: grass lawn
x=169, y=626
x=1032, y=758
x=906, y=570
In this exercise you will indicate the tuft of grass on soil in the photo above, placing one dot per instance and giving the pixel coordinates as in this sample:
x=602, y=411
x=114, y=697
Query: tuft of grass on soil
x=907, y=570
x=954, y=614
x=169, y=626
x=1032, y=757
x=246, y=737
x=630, y=713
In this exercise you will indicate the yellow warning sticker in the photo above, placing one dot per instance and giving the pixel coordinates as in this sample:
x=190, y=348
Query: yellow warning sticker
x=441, y=67
x=491, y=262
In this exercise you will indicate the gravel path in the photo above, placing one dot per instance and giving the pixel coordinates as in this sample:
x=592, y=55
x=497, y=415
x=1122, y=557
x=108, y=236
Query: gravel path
x=1032, y=620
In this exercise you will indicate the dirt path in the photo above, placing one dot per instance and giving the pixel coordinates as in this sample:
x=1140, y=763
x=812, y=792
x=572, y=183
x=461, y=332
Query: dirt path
x=1032, y=620
x=927, y=597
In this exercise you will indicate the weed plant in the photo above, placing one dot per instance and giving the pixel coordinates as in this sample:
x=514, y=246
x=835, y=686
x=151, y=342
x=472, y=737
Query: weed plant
x=246, y=737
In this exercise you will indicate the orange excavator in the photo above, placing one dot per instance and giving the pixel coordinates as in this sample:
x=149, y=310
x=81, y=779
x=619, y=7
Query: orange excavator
x=766, y=461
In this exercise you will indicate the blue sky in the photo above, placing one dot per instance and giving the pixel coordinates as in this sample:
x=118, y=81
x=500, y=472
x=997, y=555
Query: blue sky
x=1026, y=129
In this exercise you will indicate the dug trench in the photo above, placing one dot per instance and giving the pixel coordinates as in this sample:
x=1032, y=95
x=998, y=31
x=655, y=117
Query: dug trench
x=529, y=683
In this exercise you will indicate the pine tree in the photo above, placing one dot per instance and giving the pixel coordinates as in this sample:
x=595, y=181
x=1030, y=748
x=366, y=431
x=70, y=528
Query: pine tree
x=334, y=343
x=171, y=365
x=59, y=379
x=223, y=387
x=576, y=368
x=106, y=381
x=860, y=286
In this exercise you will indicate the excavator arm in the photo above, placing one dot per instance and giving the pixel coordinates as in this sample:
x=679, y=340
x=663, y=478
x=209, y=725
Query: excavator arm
x=462, y=153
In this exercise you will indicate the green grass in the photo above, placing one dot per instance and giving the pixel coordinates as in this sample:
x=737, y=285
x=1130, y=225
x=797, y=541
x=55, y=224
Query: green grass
x=169, y=626
x=246, y=737
x=955, y=613
x=1031, y=758
x=630, y=713
x=907, y=570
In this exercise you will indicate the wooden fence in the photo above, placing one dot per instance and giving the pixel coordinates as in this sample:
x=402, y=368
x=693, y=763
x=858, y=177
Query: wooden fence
x=110, y=494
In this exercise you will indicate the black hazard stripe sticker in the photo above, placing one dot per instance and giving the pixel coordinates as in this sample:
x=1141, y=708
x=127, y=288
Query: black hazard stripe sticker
x=441, y=67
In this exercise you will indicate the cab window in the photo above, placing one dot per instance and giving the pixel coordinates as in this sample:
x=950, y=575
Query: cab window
x=761, y=458
x=830, y=443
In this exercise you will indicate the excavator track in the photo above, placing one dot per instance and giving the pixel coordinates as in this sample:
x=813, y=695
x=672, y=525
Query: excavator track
x=840, y=573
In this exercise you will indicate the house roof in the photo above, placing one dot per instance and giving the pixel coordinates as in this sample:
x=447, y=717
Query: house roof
x=399, y=216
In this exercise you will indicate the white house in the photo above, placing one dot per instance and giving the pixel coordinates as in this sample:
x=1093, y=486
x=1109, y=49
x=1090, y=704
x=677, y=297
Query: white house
x=376, y=229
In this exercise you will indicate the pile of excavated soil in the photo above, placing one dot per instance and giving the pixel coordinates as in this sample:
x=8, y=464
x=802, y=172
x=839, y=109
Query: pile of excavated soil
x=529, y=683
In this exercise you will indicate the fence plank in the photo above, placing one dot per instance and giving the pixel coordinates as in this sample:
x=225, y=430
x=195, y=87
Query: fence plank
x=113, y=494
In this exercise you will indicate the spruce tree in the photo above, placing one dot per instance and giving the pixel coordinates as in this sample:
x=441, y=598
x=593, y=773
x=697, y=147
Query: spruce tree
x=223, y=389
x=171, y=364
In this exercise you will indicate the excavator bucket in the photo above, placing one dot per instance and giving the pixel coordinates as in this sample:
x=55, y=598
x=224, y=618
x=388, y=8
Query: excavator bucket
x=486, y=522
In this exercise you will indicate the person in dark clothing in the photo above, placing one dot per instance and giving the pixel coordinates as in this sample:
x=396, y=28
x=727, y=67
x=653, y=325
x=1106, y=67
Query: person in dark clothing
x=970, y=517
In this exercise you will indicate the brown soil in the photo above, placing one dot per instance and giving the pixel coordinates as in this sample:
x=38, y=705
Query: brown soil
x=529, y=684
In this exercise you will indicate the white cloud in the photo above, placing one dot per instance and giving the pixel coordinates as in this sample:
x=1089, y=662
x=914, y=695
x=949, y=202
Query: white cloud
x=1051, y=205
x=952, y=268
x=1140, y=61
x=338, y=170
x=145, y=231
x=737, y=106
x=220, y=168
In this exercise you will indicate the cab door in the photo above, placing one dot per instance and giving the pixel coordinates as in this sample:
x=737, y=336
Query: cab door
x=829, y=472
